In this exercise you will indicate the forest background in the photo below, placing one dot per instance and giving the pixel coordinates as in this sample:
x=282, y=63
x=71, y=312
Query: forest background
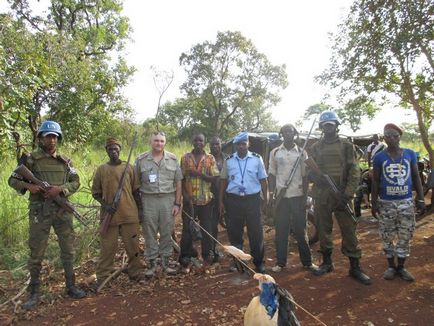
x=69, y=65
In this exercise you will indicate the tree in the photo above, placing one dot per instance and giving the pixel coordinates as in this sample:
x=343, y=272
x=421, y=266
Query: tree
x=60, y=66
x=162, y=81
x=234, y=83
x=355, y=109
x=385, y=48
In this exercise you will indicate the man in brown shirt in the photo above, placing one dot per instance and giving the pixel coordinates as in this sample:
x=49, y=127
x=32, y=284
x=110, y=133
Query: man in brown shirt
x=125, y=219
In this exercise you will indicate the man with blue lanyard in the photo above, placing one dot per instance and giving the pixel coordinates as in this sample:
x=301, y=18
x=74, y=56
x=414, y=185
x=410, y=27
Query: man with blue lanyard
x=242, y=179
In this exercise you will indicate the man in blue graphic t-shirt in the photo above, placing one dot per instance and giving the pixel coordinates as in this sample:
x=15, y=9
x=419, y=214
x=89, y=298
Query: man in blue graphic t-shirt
x=394, y=176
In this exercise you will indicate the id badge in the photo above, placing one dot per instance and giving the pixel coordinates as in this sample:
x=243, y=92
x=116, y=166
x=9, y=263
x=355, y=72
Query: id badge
x=401, y=181
x=242, y=191
x=152, y=178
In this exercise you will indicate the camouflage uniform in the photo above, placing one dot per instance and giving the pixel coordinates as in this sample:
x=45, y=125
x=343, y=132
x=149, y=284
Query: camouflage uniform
x=396, y=218
x=55, y=170
x=337, y=159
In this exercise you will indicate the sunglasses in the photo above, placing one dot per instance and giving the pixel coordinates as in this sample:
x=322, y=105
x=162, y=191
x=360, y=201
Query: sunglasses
x=161, y=133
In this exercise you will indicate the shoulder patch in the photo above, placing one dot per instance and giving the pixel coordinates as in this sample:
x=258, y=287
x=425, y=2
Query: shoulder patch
x=171, y=156
x=255, y=154
x=143, y=155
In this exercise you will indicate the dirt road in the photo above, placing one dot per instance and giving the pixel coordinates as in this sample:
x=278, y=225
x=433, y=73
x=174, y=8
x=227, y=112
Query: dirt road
x=219, y=297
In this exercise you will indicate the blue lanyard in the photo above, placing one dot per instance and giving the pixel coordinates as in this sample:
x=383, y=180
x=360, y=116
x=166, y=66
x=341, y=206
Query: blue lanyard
x=242, y=171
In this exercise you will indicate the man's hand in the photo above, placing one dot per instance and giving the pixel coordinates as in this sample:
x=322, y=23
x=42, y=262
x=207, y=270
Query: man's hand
x=108, y=208
x=34, y=189
x=52, y=192
x=175, y=210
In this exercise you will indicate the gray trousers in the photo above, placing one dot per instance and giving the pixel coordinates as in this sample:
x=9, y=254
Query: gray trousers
x=158, y=220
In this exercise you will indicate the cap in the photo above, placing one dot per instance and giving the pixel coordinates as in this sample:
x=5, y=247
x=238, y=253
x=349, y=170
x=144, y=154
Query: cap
x=393, y=126
x=242, y=136
x=112, y=141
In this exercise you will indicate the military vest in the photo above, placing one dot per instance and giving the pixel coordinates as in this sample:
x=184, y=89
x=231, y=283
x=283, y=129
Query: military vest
x=47, y=168
x=334, y=158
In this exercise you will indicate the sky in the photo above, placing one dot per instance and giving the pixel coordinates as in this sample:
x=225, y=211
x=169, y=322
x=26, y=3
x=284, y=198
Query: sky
x=294, y=33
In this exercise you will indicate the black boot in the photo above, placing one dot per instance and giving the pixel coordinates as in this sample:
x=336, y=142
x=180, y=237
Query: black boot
x=326, y=266
x=402, y=272
x=356, y=272
x=73, y=291
x=390, y=272
x=33, y=300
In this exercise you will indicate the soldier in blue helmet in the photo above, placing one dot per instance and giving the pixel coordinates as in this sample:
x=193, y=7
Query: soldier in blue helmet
x=336, y=157
x=48, y=165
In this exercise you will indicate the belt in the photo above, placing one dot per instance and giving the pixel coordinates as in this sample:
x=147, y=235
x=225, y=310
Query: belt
x=158, y=194
x=230, y=195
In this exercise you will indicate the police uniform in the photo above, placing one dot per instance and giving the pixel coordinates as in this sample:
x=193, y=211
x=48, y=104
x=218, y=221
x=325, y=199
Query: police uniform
x=338, y=160
x=243, y=201
x=55, y=170
x=157, y=186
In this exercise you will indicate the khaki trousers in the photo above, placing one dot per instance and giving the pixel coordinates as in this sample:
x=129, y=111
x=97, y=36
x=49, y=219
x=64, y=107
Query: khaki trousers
x=109, y=246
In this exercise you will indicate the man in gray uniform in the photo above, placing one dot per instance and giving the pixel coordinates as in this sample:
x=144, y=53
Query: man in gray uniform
x=160, y=178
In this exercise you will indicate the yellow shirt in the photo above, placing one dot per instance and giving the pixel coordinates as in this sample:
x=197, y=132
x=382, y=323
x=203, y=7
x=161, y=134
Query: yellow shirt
x=198, y=189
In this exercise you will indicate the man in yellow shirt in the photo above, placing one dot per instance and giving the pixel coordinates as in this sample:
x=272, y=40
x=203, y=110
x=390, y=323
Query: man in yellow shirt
x=200, y=172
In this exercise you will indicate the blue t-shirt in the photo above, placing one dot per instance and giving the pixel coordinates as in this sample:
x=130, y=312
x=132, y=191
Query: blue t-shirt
x=395, y=175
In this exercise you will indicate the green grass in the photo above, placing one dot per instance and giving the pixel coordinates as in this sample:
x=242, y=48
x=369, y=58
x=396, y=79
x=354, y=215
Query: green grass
x=14, y=212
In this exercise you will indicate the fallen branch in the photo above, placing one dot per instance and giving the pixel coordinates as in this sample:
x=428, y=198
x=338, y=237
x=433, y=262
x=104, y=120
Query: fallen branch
x=115, y=274
x=19, y=294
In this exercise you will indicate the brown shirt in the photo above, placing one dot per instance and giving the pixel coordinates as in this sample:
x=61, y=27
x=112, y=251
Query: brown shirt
x=105, y=183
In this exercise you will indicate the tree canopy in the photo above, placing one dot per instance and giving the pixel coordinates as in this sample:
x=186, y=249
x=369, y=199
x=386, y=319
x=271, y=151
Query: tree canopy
x=61, y=67
x=230, y=86
x=384, y=49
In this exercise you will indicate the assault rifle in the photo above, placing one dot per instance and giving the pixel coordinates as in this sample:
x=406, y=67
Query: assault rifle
x=332, y=185
x=106, y=219
x=282, y=191
x=62, y=202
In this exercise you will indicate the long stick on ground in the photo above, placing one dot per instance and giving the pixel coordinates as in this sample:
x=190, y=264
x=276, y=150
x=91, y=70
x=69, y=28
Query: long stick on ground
x=19, y=294
x=115, y=274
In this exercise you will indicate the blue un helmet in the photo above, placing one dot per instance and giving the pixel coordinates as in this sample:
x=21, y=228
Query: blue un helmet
x=328, y=116
x=50, y=127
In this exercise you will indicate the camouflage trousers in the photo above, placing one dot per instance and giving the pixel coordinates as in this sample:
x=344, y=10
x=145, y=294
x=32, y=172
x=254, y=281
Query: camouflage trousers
x=40, y=223
x=397, y=224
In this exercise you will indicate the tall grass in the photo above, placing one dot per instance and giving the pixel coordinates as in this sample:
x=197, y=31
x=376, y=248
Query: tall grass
x=14, y=212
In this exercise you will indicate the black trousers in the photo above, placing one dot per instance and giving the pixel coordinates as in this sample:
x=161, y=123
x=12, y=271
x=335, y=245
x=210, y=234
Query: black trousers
x=204, y=214
x=291, y=214
x=245, y=211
